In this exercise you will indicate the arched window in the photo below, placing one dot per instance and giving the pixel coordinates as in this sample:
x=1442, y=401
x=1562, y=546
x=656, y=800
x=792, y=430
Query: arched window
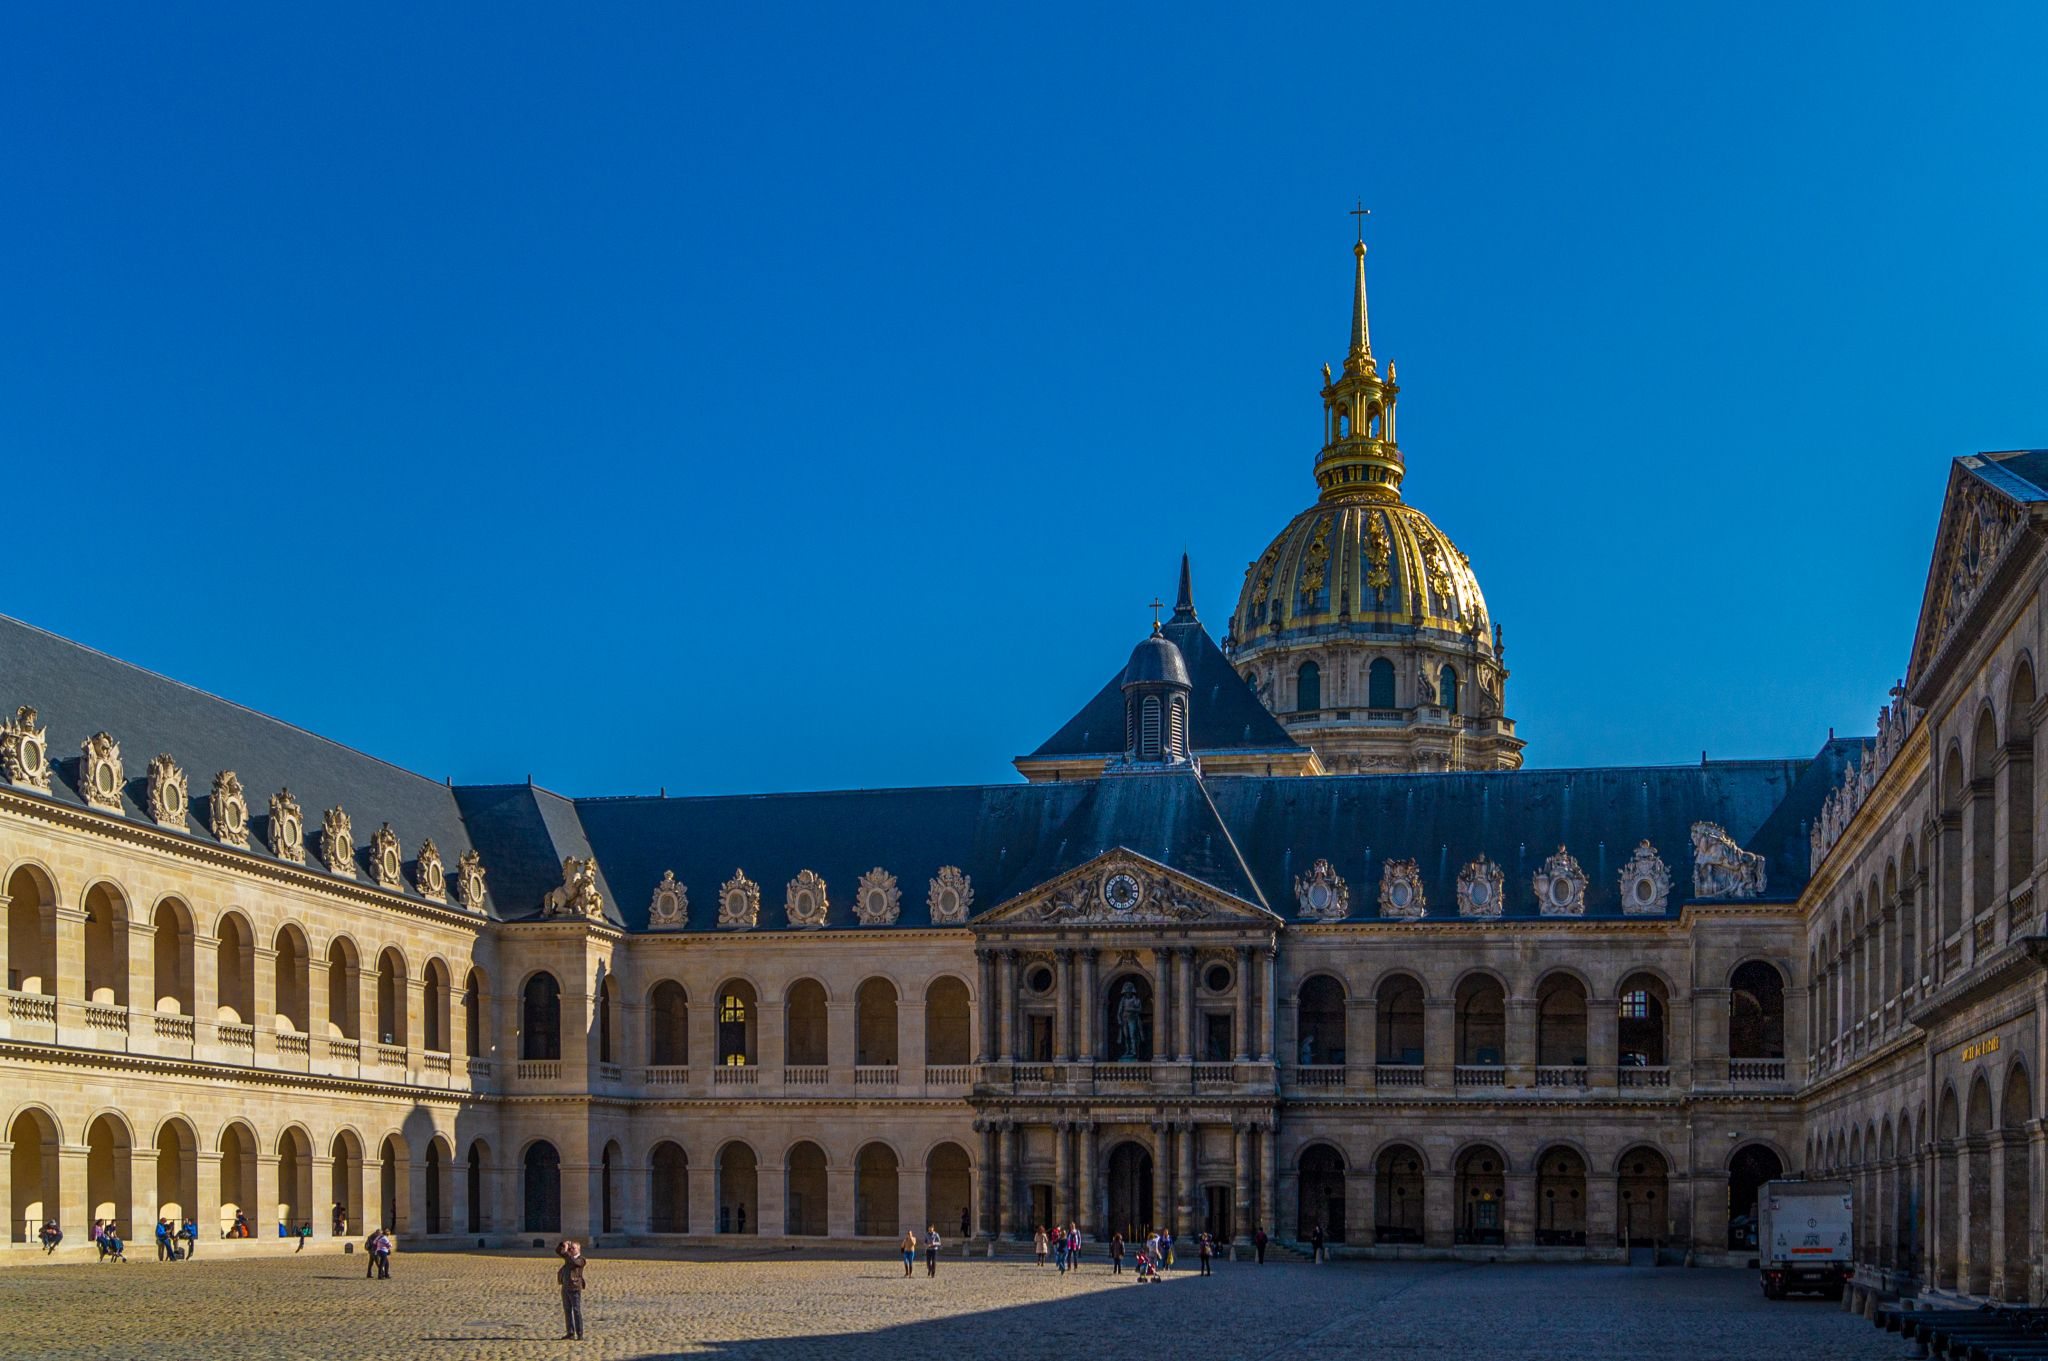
x=391, y=998
x=1756, y=1012
x=1308, y=687
x=947, y=1027
x=1379, y=684
x=605, y=988
x=1640, y=1023
x=668, y=1025
x=804, y=1025
x=434, y=1007
x=1482, y=1023
x=473, y=1015
x=236, y=971
x=1983, y=815
x=106, y=946
x=1447, y=688
x=543, y=1198
x=1319, y=1021
x=540, y=1018
x=1399, y=1007
x=874, y=1024
x=736, y=1025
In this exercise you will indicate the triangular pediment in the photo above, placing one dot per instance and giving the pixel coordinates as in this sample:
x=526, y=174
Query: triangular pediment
x=1121, y=888
x=1983, y=522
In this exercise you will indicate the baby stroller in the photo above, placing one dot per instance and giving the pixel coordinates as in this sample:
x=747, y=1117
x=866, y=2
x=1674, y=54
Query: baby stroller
x=1148, y=1270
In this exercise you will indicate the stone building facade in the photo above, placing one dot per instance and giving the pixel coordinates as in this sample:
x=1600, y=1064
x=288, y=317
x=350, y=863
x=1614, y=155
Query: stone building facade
x=1178, y=975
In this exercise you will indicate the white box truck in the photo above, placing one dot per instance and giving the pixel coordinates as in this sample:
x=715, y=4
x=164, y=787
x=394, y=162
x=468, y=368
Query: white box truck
x=1805, y=1237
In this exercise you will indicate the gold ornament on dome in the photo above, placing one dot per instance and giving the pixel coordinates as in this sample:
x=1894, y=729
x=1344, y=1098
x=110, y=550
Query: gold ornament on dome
x=429, y=875
x=877, y=901
x=1378, y=548
x=739, y=902
x=951, y=895
x=101, y=777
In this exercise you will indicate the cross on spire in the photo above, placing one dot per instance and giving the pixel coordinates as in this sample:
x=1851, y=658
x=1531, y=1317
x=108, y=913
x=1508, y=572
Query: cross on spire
x=1361, y=212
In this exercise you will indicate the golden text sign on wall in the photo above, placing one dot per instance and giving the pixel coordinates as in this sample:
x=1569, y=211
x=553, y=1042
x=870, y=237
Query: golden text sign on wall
x=1977, y=1049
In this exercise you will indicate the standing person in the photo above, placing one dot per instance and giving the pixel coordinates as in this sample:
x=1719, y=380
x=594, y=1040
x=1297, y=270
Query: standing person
x=965, y=1225
x=909, y=1246
x=931, y=1250
x=1059, y=1248
x=1038, y=1244
x=1316, y=1240
x=370, y=1253
x=742, y=1216
x=1259, y=1243
x=570, y=1277
x=1166, y=1248
x=1116, y=1254
x=384, y=1246
x=190, y=1234
x=305, y=1232
x=163, y=1239
x=1073, y=1246
x=1207, y=1247
x=1152, y=1247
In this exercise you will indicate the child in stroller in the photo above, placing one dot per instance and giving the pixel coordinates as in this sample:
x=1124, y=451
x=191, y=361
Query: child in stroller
x=1148, y=1270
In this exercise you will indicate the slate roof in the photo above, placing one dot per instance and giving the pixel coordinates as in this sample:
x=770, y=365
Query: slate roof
x=78, y=692
x=1223, y=712
x=1248, y=836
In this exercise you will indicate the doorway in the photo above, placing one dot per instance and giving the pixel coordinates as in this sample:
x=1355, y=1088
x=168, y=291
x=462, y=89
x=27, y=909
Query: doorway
x=1130, y=1192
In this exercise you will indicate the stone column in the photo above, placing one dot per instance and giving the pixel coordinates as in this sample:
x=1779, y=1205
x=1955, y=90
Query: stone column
x=142, y=1198
x=264, y=1020
x=1089, y=1007
x=1603, y=1210
x=1062, y=1016
x=1710, y=1019
x=1518, y=1215
x=1084, y=1167
x=1520, y=1052
x=1163, y=1030
x=9, y=1227
x=1006, y=1008
x=1602, y=1041
x=989, y=1173
x=1269, y=1003
x=1269, y=1179
x=839, y=1055
x=1358, y=1207
x=1061, y=1170
x=1241, y=1042
x=986, y=1011
x=841, y=1213
x=1006, y=1211
x=141, y=986
x=1241, y=1178
x=73, y=1214
x=703, y=1207
x=206, y=1193
x=1184, y=991
x=1360, y=1072
x=1439, y=1207
x=69, y=988
x=1162, y=1175
x=1184, y=1178
x=1994, y=1149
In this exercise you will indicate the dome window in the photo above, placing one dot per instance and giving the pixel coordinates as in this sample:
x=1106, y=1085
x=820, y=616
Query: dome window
x=1379, y=684
x=1447, y=689
x=1308, y=687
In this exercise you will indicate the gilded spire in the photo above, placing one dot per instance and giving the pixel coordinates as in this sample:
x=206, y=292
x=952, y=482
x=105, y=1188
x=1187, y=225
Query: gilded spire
x=1360, y=358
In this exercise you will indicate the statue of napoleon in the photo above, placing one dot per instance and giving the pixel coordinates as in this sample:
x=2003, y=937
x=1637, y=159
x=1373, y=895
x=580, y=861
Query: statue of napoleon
x=1130, y=1024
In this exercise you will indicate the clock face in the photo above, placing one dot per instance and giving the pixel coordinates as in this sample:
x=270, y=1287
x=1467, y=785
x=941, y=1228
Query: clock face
x=1121, y=892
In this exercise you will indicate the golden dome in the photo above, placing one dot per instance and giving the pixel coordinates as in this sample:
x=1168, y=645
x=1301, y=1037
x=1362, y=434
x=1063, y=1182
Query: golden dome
x=1360, y=567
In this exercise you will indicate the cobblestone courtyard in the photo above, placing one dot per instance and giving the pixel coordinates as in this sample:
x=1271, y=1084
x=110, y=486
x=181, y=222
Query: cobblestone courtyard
x=791, y=1306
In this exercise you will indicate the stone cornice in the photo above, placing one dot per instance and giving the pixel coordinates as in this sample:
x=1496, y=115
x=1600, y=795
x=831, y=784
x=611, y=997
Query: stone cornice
x=1890, y=793
x=163, y=841
x=801, y=935
x=158, y=1066
x=2012, y=963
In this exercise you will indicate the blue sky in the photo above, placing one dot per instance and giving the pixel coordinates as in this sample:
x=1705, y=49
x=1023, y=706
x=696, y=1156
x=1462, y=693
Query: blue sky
x=757, y=397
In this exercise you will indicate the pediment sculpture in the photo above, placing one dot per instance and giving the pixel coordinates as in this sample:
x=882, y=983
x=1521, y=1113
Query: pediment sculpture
x=469, y=880
x=1720, y=867
x=1481, y=889
x=1321, y=894
x=387, y=861
x=877, y=902
x=739, y=902
x=1645, y=883
x=950, y=897
x=1401, y=890
x=100, y=773
x=287, y=828
x=338, y=842
x=169, y=798
x=578, y=895
x=1122, y=896
x=670, y=906
x=228, y=811
x=804, y=900
x=1560, y=886
x=429, y=876
x=25, y=750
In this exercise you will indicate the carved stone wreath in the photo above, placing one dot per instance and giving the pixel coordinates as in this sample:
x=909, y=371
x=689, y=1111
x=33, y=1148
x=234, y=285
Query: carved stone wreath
x=1401, y=890
x=878, y=902
x=25, y=750
x=1560, y=886
x=101, y=773
x=739, y=902
x=1322, y=894
x=169, y=798
x=1645, y=883
x=287, y=828
x=429, y=876
x=670, y=904
x=338, y=842
x=228, y=811
x=387, y=861
x=1480, y=889
x=469, y=881
x=805, y=900
x=951, y=895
